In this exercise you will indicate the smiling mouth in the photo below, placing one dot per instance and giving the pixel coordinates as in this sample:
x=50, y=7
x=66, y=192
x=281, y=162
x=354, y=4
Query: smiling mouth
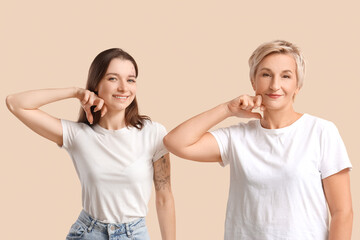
x=120, y=97
x=273, y=95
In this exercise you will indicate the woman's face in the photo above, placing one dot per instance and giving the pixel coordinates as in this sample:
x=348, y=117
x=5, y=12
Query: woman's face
x=118, y=86
x=276, y=81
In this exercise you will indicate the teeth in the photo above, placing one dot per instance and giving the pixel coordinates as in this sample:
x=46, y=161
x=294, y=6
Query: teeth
x=120, y=97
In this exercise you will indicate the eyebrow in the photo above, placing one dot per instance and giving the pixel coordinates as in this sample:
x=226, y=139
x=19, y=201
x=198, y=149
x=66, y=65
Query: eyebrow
x=271, y=71
x=131, y=75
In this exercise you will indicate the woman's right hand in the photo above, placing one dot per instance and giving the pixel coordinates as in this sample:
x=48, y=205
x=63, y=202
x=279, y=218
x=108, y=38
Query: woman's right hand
x=244, y=105
x=191, y=139
x=89, y=99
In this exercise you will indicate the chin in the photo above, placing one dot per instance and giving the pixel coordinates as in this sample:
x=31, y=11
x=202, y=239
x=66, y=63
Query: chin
x=118, y=107
x=277, y=107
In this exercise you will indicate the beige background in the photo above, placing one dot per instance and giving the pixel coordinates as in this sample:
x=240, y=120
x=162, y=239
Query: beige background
x=192, y=56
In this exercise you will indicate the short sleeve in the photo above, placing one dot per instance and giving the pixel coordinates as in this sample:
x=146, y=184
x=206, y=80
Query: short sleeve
x=333, y=151
x=160, y=149
x=222, y=136
x=70, y=130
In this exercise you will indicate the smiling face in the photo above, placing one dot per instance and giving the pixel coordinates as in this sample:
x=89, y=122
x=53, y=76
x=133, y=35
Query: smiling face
x=275, y=80
x=118, y=86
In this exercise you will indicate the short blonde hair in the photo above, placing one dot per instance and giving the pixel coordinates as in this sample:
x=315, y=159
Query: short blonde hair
x=282, y=47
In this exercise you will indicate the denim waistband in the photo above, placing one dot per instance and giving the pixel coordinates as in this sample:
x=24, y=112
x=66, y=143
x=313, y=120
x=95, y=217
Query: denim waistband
x=108, y=228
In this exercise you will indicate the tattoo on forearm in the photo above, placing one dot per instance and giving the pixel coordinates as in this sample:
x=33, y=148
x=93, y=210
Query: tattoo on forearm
x=162, y=174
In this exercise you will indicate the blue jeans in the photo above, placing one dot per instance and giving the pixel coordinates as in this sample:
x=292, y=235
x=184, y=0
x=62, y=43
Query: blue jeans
x=87, y=228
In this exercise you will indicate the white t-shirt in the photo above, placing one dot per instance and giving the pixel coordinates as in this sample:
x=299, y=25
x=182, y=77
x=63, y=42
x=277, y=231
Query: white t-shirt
x=115, y=167
x=276, y=178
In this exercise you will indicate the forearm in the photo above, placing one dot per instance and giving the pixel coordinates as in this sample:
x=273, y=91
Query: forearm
x=34, y=99
x=193, y=129
x=341, y=226
x=166, y=216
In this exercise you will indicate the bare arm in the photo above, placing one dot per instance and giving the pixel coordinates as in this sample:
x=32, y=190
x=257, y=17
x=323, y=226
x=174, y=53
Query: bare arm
x=164, y=198
x=191, y=139
x=338, y=196
x=25, y=106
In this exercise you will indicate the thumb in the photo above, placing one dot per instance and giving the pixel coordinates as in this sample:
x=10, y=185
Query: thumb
x=262, y=107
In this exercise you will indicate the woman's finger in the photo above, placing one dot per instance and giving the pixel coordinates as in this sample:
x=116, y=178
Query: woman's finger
x=103, y=110
x=88, y=113
x=244, y=103
x=85, y=98
x=250, y=105
x=99, y=104
x=258, y=101
x=93, y=97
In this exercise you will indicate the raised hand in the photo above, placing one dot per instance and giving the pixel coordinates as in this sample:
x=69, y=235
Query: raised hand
x=244, y=105
x=89, y=99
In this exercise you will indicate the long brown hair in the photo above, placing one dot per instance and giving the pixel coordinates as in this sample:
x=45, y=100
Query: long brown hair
x=96, y=72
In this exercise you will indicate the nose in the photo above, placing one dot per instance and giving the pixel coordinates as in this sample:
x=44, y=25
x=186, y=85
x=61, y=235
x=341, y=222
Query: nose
x=275, y=83
x=122, y=86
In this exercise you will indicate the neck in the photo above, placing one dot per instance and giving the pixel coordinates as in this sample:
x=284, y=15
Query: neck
x=113, y=121
x=274, y=119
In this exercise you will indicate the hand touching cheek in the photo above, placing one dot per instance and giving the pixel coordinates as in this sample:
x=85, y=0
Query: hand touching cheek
x=244, y=105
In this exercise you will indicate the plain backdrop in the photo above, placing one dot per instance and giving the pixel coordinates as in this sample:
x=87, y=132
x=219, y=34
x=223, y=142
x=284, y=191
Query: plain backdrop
x=192, y=55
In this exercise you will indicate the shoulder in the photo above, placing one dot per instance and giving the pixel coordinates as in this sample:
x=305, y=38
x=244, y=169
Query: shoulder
x=71, y=131
x=318, y=122
x=75, y=125
x=153, y=127
x=245, y=126
x=236, y=129
x=72, y=128
x=149, y=124
x=317, y=126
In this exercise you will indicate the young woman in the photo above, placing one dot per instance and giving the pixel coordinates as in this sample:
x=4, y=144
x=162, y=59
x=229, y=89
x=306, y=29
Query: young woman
x=285, y=167
x=116, y=152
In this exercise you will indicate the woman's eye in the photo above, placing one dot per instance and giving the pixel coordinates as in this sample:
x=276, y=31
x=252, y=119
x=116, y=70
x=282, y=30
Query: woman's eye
x=131, y=80
x=266, y=75
x=112, y=79
x=286, y=76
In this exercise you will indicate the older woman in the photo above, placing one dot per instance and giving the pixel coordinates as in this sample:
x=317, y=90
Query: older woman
x=285, y=167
